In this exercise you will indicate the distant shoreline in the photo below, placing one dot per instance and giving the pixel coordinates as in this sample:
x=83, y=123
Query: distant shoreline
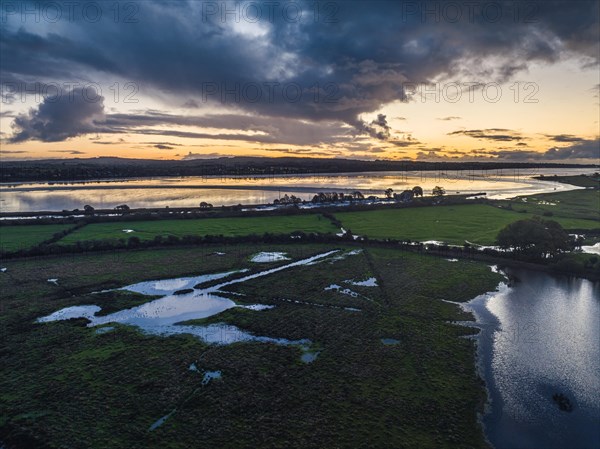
x=61, y=170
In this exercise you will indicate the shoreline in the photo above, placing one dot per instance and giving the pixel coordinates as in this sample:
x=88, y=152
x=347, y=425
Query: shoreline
x=68, y=194
x=485, y=322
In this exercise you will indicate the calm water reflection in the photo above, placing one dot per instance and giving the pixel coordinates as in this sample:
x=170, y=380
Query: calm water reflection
x=190, y=191
x=541, y=337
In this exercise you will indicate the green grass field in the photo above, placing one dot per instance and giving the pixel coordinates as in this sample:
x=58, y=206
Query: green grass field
x=13, y=238
x=477, y=223
x=583, y=204
x=64, y=385
x=147, y=230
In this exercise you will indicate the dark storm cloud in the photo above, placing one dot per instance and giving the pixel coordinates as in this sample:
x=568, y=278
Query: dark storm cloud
x=71, y=115
x=357, y=62
x=48, y=52
x=494, y=134
x=61, y=117
x=250, y=128
x=378, y=128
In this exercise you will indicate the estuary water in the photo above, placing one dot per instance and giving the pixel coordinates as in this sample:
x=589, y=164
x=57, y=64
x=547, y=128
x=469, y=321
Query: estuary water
x=541, y=337
x=233, y=190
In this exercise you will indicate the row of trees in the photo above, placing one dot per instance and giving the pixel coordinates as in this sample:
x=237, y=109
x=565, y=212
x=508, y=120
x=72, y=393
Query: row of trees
x=125, y=208
x=334, y=197
x=288, y=199
x=322, y=197
x=90, y=209
x=415, y=191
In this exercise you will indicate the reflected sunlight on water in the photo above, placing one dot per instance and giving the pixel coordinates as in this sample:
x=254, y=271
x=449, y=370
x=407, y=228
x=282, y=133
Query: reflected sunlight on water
x=541, y=338
x=188, y=192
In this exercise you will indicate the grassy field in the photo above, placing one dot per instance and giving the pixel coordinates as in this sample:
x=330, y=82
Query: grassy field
x=13, y=238
x=584, y=204
x=147, y=230
x=64, y=385
x=477, y=223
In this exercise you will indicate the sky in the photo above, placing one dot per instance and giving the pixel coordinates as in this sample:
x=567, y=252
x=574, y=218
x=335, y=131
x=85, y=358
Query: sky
x=428, y=80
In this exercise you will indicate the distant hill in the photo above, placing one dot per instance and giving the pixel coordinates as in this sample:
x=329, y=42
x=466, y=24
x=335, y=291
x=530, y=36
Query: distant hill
x=115, y=167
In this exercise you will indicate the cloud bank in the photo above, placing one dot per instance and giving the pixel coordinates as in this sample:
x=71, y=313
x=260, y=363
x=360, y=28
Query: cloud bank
x=318, y=75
